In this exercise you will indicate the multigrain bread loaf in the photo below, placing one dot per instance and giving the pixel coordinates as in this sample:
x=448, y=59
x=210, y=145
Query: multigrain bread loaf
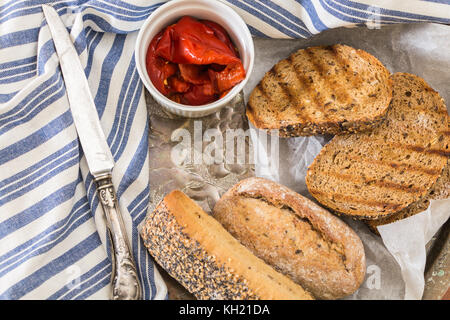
x=198, y=252
x=328, y=89
x=375, y=174
x=295, y=236
x=440, y=190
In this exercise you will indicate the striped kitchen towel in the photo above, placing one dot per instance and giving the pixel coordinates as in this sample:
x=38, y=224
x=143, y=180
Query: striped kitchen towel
x=52, y=231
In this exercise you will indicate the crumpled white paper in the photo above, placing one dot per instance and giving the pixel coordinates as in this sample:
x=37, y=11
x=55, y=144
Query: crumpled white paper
x=396, y=260
x=406, y=240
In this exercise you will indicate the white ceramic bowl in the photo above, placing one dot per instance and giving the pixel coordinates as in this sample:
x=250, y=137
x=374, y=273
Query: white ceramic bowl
x=202, y=9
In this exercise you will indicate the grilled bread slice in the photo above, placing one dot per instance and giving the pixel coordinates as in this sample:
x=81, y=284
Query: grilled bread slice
x=328, y=89
x=440, y=190
x=375, y=174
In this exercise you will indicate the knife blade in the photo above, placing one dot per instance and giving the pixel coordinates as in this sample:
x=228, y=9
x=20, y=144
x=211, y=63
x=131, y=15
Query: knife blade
x=124, y=278
x=84, y=112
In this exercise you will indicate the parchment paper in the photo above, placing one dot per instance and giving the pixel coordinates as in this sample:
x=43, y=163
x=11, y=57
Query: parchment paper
x=394, y=268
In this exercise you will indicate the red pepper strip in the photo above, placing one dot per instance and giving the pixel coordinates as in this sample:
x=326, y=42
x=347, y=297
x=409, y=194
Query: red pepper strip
x=178, y=85
x=223, y=94
x=176, y=97
x=221, y=34
x=158, y=68
x=192, y=42
x=217, y=67
x=194, y=73
x=229, y=77
x=199, y=94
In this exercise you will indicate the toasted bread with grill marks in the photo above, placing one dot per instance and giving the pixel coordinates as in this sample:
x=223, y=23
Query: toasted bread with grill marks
x=375, y=174
x=440, y=190
x=328, y=89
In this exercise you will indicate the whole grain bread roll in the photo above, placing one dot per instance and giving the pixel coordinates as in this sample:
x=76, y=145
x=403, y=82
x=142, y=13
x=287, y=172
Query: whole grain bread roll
x=200, y=254
x=295, y=236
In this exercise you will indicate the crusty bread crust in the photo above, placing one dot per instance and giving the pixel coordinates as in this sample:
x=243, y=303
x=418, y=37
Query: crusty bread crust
x=295, y=236
x=328, y=89
x=200, y=254
x=373, y=175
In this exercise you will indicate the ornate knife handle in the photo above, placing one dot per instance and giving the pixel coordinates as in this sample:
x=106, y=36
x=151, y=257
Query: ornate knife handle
x=125, y=280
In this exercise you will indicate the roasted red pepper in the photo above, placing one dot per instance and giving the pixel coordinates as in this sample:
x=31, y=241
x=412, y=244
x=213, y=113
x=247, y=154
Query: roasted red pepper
x=158, y=68
x=194, y=62
x=221, y=34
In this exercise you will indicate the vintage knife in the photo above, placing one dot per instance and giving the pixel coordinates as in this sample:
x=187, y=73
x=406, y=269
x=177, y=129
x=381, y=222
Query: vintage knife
x=125, y=281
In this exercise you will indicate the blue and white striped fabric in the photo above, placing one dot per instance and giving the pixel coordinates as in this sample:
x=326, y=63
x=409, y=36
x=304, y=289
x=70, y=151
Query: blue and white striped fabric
x=52, y=231
x=304, y=18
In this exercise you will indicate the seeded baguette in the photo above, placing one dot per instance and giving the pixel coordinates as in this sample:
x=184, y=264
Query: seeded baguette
x=327, y=89
x=294, y=235
x=372, y=175
x=198, y=252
